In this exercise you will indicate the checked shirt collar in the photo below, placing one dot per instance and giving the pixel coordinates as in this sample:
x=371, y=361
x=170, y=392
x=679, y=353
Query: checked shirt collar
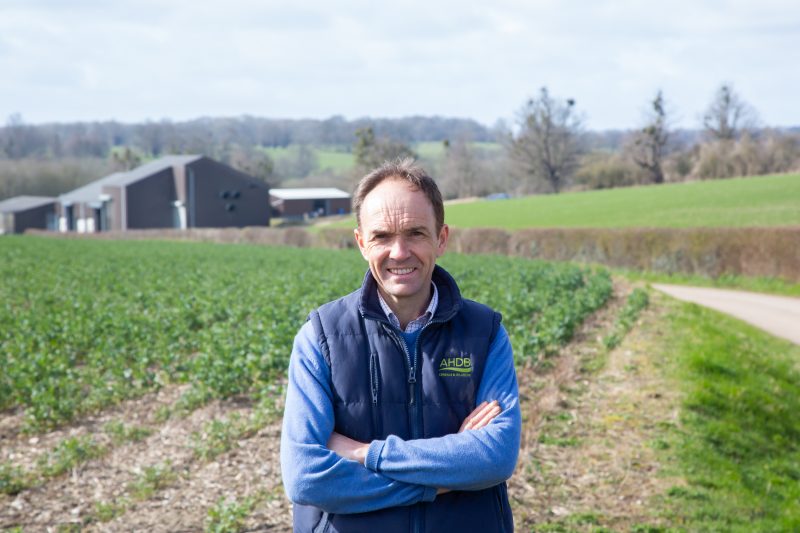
x=418, y=322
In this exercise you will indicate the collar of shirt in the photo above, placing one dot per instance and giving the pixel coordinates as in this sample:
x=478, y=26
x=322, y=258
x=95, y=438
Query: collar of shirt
x=418, y=322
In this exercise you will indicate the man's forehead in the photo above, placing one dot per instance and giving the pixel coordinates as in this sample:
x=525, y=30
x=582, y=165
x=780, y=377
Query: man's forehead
x=397, y=201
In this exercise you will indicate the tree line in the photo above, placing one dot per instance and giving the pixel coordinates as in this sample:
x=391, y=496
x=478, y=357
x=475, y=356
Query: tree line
x=546, y=150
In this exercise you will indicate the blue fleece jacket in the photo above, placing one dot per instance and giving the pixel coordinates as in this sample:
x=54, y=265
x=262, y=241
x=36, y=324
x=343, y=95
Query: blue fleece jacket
x=397, y=472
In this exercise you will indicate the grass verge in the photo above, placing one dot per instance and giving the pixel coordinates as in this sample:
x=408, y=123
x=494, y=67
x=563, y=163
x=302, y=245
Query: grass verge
x=738, y=441
x=754, y=284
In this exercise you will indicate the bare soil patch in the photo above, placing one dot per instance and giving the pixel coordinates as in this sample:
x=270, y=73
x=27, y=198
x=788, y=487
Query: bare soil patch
x=23, y=450
x=251, y=469
x=593, y=461
x=72, y=498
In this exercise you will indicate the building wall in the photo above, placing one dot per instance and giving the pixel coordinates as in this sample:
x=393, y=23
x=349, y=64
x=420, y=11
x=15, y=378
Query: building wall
x=300, y=207
x=35, y=218
x=114, y=207
x=149, y=201
x=338, y=205
x=220, y=196
x=295, y=208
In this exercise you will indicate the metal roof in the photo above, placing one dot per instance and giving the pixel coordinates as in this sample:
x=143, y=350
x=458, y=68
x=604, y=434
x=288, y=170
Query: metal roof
x=153, y=167
x=91, y=191
x=308, y=194
x=23, y=203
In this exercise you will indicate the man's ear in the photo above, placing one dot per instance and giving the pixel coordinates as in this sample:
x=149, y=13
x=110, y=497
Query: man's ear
x=361, y=242
x=444, y=234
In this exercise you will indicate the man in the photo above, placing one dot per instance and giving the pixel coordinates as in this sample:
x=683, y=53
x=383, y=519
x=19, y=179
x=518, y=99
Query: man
x=402, y=410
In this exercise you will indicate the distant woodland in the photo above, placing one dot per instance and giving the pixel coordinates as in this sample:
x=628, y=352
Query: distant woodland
x=546, y=149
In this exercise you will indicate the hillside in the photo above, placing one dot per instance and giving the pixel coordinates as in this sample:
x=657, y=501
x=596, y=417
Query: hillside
x=754, y=201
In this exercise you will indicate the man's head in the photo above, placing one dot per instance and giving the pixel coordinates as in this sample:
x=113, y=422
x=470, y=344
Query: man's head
x=406, y=170
x=401, y=231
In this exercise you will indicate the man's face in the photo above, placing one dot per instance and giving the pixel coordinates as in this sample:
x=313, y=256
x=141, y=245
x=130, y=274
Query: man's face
x=398, y=238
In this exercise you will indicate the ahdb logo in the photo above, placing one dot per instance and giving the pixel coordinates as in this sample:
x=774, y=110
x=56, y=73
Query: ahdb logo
x=456, y=365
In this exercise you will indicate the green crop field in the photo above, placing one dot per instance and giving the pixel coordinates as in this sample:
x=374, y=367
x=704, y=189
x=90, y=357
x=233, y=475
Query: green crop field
x=755, y=201
x=86, y=324
x=142, y=383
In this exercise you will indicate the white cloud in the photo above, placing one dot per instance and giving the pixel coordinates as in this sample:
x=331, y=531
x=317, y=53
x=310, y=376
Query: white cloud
x=134, y=60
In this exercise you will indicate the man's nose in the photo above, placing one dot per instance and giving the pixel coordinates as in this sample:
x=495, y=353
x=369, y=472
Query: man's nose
x=399, y=250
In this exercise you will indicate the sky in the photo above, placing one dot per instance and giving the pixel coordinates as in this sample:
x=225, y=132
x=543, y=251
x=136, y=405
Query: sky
x=131, y=61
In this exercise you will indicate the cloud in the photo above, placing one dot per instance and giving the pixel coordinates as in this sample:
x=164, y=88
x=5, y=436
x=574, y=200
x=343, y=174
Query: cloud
x=133, y=60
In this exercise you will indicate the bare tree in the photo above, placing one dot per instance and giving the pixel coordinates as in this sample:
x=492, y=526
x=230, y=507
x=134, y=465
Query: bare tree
x=371, y=152
x=462, y=171
x=547, y=146
x=649, y=145
x=728, y=116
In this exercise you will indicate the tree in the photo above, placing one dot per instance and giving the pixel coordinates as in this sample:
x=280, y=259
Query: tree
x=548, y=145
x=728, y=116
x=371, y=152
x=462, y=171
x=650, y=143
x=125, y=159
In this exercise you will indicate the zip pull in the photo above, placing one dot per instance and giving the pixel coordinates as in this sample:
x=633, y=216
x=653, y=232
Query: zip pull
x=373, y=376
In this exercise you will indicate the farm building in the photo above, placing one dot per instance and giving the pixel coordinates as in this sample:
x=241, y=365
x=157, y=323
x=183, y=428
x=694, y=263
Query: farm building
x=23, y=212
x=178, y=191
x=297, y=203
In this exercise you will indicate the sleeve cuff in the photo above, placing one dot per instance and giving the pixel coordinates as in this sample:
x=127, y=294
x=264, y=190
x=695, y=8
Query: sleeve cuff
x=374, y=454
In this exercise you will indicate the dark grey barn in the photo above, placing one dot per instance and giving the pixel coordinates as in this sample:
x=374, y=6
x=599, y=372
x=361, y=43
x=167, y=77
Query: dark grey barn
x=27, y=212
x=178, y=191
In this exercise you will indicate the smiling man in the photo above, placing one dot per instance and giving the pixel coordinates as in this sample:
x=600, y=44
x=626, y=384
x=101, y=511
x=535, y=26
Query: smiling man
x=402, y=410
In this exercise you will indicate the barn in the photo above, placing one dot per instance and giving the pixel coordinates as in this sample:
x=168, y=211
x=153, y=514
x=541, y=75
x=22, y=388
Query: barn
x=27, y=212
x=309, y=202
x=177, y=191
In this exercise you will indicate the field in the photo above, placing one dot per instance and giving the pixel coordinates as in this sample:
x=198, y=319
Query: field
x=757, y=201
x=142, y=390
x=340, y=159
x=146, y=364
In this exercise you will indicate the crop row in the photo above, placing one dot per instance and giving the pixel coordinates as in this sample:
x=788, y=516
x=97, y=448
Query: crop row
x=85, y=324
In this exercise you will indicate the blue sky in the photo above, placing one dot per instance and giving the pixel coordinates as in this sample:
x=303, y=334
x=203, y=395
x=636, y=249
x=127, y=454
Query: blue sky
x=179, y=59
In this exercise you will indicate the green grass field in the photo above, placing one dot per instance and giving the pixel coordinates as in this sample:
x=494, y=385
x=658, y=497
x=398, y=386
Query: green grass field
x=738, y=438
x=756, y=201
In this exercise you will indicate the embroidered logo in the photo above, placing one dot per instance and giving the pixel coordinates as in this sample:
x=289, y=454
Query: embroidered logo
x=456, y=364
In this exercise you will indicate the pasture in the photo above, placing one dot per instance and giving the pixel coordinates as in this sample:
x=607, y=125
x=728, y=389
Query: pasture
x=753, y=201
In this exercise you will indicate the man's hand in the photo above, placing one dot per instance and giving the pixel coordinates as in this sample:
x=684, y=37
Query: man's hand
x=481, y=416
x=357, y=451
x=348, y=448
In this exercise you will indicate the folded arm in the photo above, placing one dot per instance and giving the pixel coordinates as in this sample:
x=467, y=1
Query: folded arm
x=312, y=473
x=468, y=460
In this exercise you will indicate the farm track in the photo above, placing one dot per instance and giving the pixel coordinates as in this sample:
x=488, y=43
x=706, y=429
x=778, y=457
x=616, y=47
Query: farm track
x=599, y=463
x=543, y=393
x=71, y=498
x=24, y=449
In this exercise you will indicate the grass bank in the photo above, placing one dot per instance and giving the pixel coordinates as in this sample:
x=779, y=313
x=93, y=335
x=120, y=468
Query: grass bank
x=737, y=443
x=738, y=202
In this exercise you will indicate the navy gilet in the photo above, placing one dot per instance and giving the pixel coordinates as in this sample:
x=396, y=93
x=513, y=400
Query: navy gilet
x=380, y=389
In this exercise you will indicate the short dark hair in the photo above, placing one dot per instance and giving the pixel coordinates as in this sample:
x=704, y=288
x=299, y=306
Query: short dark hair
x=402, y=169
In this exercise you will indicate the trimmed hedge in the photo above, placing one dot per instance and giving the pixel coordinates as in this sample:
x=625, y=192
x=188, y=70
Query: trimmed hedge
x=757, y=251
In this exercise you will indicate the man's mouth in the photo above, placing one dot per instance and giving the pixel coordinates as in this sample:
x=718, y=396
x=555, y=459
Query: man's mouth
x=400, y=271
